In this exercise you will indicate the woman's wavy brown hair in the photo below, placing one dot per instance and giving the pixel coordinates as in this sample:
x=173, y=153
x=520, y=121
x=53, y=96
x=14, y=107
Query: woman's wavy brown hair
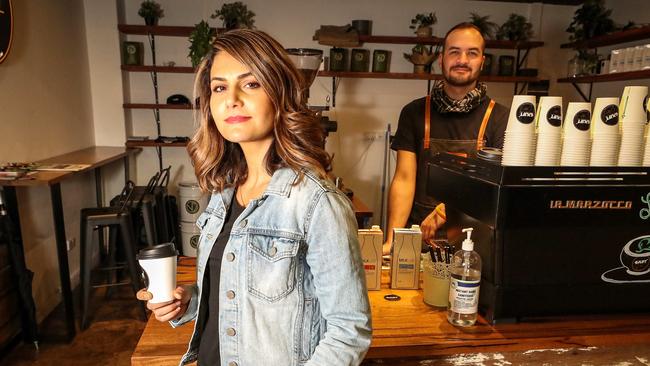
x=219, y=163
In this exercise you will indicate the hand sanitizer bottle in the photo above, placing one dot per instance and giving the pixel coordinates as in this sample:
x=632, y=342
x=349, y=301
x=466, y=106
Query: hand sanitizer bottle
x=465, y=272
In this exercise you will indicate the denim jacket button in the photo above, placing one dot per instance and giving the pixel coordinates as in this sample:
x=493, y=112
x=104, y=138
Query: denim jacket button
x=230, y=257
x=232, y=363
x=273, y=251
x=243, y=223
x=231, y=332
x=230, y=294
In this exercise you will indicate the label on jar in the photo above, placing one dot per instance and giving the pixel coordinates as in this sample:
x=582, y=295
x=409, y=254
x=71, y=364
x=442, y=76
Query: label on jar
x=463, y=296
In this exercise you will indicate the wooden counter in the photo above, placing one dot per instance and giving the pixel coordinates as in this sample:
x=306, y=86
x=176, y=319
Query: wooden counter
x=408, y=330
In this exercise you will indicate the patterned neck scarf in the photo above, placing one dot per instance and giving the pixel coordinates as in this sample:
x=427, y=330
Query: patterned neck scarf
x=445, y=104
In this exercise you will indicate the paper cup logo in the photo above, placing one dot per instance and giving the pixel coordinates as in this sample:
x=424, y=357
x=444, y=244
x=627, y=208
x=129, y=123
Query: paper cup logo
x=609, y=115
x=526, y=113
x=194, y=241
x=582, y=120
x=130, y=49
x=358, y=56
x=338, y=56
x=554, y=116
x=381, y=57
x=192, y=207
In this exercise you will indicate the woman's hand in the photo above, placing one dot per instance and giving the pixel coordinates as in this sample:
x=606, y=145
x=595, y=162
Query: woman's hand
x=169, y=310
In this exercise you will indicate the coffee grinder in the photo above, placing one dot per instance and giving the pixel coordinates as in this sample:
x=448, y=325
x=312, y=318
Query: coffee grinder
x=308, y=61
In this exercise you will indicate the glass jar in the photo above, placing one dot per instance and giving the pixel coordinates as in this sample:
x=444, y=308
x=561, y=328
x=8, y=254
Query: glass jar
x=576, y=66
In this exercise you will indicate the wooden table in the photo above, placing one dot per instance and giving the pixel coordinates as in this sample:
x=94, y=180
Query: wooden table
x=95, y=157
x=408, y=331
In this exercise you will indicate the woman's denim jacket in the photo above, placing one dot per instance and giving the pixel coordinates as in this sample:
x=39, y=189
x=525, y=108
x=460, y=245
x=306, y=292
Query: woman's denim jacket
x=292, y=289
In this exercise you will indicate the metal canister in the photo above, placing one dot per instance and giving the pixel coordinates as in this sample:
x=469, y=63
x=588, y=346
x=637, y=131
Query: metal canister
x=338, y=59
x=380, y=61
x=360, y=61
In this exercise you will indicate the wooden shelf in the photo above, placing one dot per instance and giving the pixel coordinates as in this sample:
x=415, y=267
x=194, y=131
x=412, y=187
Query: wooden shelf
x=151, y=68
x=618, y=76
x=156, y=106
x=152, y=143
x=630, y=35
x=554, y=2
x=412, y=76
x=495, y=44
x=157, y=30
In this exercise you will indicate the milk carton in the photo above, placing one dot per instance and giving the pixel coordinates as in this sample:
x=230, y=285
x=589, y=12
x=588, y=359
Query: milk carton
x=371, y=242
x=405, y=259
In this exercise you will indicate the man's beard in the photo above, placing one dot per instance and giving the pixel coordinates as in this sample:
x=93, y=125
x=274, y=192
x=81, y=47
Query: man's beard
x=470, y=79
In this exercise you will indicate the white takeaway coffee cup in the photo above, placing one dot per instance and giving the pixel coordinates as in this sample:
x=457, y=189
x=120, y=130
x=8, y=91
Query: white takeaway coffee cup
x=159, y=265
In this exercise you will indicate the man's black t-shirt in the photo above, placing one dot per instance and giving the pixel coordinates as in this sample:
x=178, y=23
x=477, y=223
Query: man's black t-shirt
x=208, y=319
x=457, y=126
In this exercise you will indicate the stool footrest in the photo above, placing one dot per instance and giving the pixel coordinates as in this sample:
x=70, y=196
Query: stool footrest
x=112, y=284
x=109, y=268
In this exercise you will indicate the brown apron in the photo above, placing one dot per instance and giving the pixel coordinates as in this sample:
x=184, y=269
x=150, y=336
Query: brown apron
x=424, y=204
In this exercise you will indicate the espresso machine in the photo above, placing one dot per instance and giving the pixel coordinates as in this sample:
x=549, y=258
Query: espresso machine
x=554, y=240
x=308, y=61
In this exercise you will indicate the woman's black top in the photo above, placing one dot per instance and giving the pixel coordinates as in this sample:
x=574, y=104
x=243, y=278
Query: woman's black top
x=209, y=310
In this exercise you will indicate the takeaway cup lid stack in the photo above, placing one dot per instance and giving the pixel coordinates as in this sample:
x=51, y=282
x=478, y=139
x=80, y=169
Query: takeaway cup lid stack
x=519, y=139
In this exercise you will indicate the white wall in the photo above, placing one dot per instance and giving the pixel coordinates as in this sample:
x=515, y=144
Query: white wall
x=45, y=110
x=362, y=105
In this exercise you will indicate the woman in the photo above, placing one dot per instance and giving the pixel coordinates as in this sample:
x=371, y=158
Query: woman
x=280, y=278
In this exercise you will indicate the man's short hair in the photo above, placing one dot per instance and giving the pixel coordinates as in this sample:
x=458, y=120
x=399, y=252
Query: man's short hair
x=460, y=26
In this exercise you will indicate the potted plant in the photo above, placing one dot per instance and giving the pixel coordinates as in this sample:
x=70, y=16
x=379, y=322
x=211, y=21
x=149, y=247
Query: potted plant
x=516, y=28
x=483, y=23
x=235, y=15
x=421, y=56
x=151, y=12
x=590, y=20
x=200, y=42
x=423, y=24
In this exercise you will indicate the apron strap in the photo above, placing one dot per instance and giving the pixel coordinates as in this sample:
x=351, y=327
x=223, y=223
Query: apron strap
x=484, y=123
x=427, y=122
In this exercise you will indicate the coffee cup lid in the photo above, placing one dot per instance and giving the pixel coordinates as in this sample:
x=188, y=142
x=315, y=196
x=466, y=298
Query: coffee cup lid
x=158, y=251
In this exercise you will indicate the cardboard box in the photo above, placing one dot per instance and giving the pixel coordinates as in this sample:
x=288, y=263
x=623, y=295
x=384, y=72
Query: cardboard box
x=405, y=258
x=371, y=242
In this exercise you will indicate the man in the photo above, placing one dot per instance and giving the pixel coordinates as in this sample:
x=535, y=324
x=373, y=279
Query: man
x=461, y=118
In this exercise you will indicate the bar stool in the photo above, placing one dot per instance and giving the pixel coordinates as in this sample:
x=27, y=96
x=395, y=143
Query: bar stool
x=144, y=207
x=118, y=219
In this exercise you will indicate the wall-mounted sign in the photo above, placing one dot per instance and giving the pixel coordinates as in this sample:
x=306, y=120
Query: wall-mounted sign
x=6, y=28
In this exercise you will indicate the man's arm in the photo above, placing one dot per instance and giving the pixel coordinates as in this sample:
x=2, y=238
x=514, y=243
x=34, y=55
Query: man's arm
x=401, y=194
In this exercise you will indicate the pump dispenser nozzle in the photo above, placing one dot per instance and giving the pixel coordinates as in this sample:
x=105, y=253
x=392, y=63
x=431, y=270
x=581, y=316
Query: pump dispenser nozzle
x=468, y=244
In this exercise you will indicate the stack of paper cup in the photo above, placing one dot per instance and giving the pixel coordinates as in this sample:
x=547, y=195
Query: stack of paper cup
x=549, y=131
x=646, y=153
x=605, y=135
x=519, y=140
x=633, y=121
x=576, y=136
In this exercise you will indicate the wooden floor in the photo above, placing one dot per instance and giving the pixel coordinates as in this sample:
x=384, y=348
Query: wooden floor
x=113, y=333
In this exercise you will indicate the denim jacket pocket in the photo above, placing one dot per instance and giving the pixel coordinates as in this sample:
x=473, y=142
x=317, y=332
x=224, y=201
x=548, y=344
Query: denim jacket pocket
x=271, y=273
x=309, y=332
